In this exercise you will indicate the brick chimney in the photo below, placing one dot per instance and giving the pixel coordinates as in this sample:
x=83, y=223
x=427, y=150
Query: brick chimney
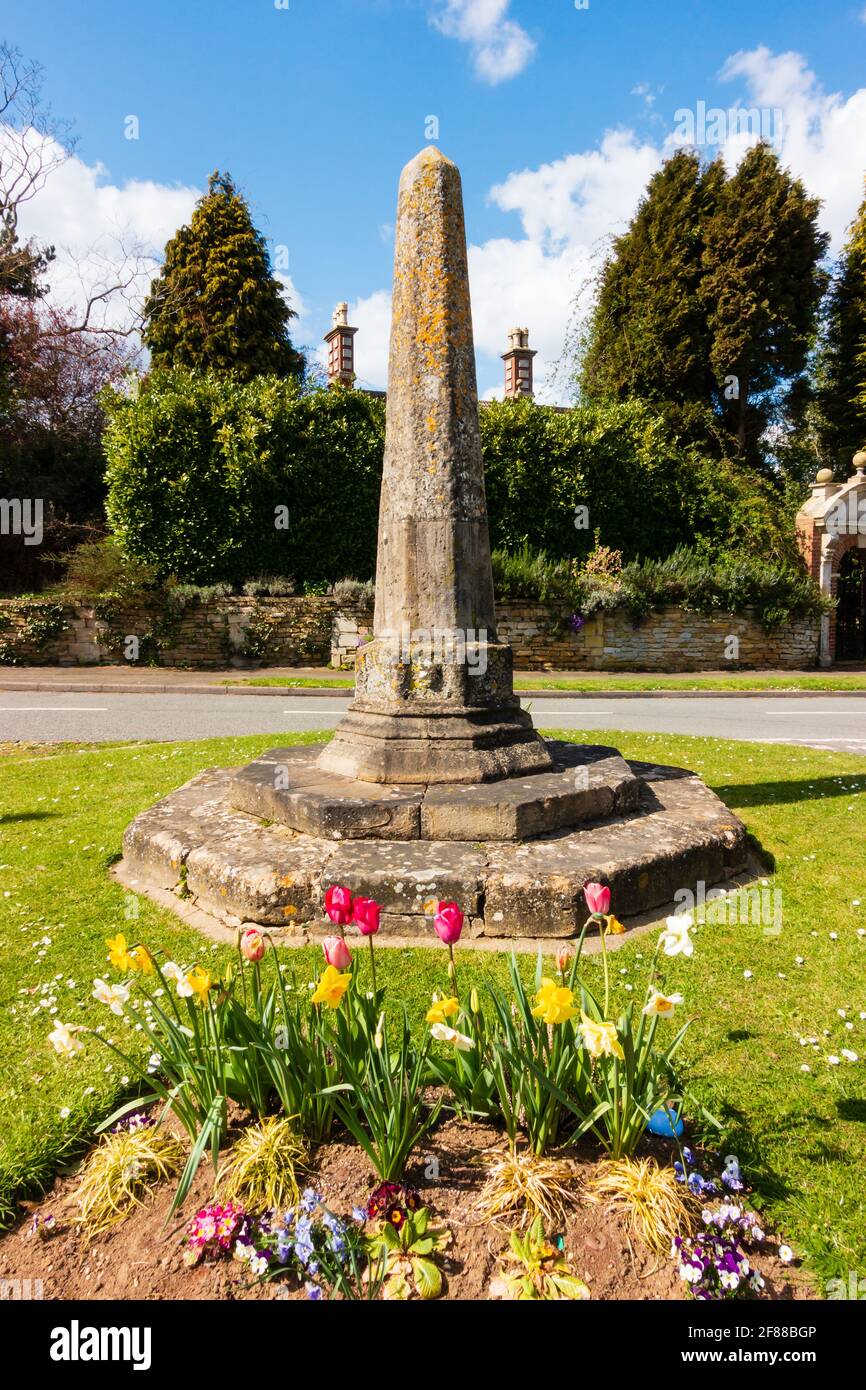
x=341, y=348
x=518, y=364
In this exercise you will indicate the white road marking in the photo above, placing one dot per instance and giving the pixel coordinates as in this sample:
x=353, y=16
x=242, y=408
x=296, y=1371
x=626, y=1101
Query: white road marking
x=53, y=709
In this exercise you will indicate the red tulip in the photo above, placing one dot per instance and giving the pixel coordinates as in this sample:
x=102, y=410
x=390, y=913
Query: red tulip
x=252, y=944
x=337, y=952
x=365, y=915
x=597, y=898
x=564, y=957
x=448, y=923
x=338, y=905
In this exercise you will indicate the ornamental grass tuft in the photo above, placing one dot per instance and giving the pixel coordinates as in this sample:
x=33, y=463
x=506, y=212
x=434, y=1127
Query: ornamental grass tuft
x=120, y=1171
x=262, y=1166
x=656, y=1208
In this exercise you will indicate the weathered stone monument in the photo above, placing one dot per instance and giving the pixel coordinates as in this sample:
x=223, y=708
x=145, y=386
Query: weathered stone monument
x=435, y=784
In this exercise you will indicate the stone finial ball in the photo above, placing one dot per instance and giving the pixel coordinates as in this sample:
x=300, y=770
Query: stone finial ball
x=859, y=461
x=824, y=475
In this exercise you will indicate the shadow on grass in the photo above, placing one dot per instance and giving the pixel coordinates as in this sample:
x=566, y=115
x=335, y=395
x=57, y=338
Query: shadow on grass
x=852, y=1108
x=19, y=817
x=741, y=795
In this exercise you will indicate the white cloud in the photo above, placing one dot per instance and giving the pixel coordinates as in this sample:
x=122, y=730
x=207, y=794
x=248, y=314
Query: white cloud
x=372, y=317
x=100, y=229
x=823, y=134
x=501, y=48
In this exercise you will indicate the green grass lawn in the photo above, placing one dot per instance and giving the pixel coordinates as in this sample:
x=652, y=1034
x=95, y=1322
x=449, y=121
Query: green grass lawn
x=800, y=1135
x=532, y=680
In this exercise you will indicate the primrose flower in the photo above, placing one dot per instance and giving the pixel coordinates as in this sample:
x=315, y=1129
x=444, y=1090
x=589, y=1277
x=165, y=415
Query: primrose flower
x=64, y=1041
x=448, y=923
x=115, y=996
x=442, y=1009
x=365, y=915
x=336, y=952
x=553, y=1003
x=121, y=958
x=597, y=898
x=675, y=939
x=600, y=1039
x=662, y=1004
x=199, y=982
x=338, y=905
x=331, y=987
x=252, y=944
x=442, y=1033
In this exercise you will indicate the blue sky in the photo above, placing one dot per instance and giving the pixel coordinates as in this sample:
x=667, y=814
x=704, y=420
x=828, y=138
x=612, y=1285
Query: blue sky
x=556, y=116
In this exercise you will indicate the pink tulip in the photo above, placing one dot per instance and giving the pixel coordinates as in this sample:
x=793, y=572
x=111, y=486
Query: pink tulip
x=597, y=898
x=448, y=923
x=338, y=905
x=365, y=915
x=564, y=957
x=337, y=952
x=252, y=944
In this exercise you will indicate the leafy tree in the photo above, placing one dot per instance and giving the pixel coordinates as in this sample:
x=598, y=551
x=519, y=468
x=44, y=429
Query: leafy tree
x=841, y=370
x=215, y=303
x=762, y=289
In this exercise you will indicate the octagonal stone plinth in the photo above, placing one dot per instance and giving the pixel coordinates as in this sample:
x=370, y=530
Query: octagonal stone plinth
x=238, y=869
x=289, y=786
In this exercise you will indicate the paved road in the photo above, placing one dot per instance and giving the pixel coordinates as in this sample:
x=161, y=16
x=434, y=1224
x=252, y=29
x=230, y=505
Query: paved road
x=838, y=723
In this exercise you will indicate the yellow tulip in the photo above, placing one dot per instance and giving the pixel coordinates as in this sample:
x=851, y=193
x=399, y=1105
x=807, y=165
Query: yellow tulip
x=600, y=1039
x=442, y=1009
x=120, y=957
x=553, y=1003
x=199, y=981
x=331, y=987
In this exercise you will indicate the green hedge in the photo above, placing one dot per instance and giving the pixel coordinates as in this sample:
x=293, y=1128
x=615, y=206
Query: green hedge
x=198, y=465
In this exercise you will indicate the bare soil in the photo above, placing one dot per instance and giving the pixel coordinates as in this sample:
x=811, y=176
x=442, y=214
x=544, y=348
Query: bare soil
x=143, y=1257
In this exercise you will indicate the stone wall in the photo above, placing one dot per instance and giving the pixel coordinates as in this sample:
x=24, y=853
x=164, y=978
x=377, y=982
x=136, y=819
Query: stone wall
x=311, y=631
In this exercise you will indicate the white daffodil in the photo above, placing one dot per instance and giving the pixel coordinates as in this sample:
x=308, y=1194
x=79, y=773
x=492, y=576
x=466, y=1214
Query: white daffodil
x=675, y=939
x=662, y=1004
x=114, y=996
x=172, y=971
x=64, y=1041
x=442, y=1033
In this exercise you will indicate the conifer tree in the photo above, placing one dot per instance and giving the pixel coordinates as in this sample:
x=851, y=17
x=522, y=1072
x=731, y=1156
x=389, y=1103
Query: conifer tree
x=841, y=372
x=649, y=334
x=762, y=288
x=216, y=303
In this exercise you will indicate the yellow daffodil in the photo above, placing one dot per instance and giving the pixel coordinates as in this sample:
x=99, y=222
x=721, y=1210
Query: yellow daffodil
x=331, y=987
x=614, y=926
x=553, y=1003
x=600, y=1039
x=442, y=1009
x=199, y=981
x=662, y=1004
x=143, y=960
x=120, y=957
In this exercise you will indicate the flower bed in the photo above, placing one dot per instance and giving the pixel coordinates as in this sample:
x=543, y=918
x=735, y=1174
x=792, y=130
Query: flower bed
x=300, y=1142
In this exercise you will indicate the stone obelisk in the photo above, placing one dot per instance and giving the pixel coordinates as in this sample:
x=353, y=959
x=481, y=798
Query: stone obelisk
x=434, y=699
